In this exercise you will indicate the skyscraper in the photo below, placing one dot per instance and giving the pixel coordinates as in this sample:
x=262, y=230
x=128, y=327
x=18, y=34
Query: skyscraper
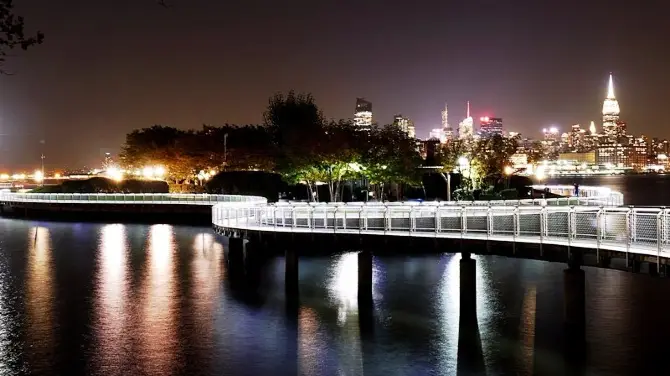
x=363, y=114
x=447, y=132
x=405, y=125
x=611, y=129
x=489, y=126
x=465, y=131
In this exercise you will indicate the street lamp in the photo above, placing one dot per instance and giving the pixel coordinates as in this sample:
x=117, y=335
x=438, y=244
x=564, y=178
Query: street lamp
x=225, y=150
x=508, y=170
x=42, y=157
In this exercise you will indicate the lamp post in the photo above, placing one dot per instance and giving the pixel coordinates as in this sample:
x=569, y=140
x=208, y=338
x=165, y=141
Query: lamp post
x=42, y=158
x=225, y=150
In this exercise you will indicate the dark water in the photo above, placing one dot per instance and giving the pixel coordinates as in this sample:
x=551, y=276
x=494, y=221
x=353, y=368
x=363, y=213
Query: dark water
x=118, y=299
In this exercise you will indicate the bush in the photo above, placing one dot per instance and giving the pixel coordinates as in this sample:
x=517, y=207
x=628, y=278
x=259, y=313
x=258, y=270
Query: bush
x=104, y=185
x=253, y=183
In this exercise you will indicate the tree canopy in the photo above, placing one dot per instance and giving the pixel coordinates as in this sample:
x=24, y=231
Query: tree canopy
x=12, y=32
x=295, y=141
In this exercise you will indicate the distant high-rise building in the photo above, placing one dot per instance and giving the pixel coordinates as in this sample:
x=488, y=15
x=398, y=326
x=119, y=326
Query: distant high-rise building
x=363, y=114
x=592, y=128
x=489, y=127
x=447, y=131
x=436, y=133
x=611, y=129
x=405, y=125
x=465, y=127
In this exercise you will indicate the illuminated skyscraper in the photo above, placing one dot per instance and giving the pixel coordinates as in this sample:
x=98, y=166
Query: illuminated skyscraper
x=611, y=129
x=405, y=125
x=363, y=114
x=490, y=127
x=447, y=132
x=465, y=131
x=592, y=128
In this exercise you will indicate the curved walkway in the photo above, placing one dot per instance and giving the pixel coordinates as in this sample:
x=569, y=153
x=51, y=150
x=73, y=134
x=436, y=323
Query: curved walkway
x=566, y=222
x=122, y=198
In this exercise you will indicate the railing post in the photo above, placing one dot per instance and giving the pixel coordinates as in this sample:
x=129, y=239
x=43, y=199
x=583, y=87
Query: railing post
x=310, y=218
x=659, y=238
x=489, y=222
x=293, y=217
x=629, y=233
x=543, y=223
x=516, y=223
x=344, y=220
x=464, y=221
x=387, y=221
x=412, y=224
x=438, y=220
x=599, y=231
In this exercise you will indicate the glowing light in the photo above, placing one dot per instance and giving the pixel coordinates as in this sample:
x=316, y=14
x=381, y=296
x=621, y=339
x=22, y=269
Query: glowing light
x=610, y=88
x=57, y=175
x=509, y=170
x=4, y=176
x=148, y=172
x=553, y=130
x=539, y=173
x=159, y=171
x=38, y=176
x=592, y=127
x=114, y=173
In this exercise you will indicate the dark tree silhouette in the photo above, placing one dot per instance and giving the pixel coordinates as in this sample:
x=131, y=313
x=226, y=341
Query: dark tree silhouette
x=12, y=32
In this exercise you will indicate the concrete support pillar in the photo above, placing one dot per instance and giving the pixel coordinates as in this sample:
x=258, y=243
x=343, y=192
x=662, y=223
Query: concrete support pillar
x=468, y=299
x=236, y=251
x=635, y=264
x=291, y=273
x=574, y=284
x=470, y=354
x=365, y=279
x=653, y=268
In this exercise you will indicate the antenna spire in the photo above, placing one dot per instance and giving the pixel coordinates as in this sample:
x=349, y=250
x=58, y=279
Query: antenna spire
x=610, y=88
x=468, y=111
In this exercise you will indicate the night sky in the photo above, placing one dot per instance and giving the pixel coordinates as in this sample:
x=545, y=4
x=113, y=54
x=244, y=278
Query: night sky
x=107, y=67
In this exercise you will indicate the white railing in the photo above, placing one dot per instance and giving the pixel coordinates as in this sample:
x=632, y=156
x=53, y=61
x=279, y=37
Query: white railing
x=587, y=196
x=634, y=230
x=121, y=198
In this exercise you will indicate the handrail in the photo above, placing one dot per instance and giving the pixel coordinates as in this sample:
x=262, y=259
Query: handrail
x=624, y=229
x=129, y=198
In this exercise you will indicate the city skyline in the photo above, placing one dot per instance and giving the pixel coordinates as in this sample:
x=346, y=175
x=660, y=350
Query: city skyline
x=201, y=62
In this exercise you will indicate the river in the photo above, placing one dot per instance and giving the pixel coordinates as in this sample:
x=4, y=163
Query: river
x=127, y=299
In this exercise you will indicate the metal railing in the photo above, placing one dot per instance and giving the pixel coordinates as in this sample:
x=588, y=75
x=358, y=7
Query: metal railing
x=121, y=198
x=625, y=229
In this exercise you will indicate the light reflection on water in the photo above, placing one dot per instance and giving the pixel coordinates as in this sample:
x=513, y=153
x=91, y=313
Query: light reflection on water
x=158, y=299
x=40, y=299
x=160, y=304
x=112, y=305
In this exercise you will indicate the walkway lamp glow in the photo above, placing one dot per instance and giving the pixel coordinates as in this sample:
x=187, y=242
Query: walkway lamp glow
x=114, y=173
x=148, y=172
x=38, y=176
x=509, y=170
x=4, y=176
x=159, y=172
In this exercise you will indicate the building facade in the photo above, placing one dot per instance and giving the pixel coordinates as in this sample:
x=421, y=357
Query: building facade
x=405, y=125
x=363, y=114
x=613, y=129
x=489, y=127
x=465, y=127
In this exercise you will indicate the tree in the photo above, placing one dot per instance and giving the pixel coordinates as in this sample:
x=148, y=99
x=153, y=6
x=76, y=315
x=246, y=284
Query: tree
x=490, y=156
x=12, y=32
x=298, y=128
x=172, y=148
